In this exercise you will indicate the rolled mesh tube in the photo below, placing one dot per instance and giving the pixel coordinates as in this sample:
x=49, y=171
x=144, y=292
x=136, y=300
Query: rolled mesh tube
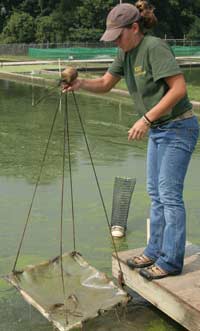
x=122, y=193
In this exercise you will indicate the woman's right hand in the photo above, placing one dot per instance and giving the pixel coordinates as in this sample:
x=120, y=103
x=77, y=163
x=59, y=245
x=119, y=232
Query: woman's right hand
x=73, y=86
x=138, y=130
x=96, y=85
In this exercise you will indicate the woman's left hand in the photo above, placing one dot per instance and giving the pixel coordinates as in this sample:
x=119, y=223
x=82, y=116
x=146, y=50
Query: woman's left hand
x=138, y=130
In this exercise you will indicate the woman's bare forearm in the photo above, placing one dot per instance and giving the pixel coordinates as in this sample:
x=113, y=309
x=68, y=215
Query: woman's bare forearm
x=97, y=85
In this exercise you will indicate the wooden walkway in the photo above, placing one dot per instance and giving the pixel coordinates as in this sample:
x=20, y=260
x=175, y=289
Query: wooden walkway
x=176, y=296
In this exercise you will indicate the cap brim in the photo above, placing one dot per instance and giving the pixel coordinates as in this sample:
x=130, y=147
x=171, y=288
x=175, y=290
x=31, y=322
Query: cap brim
x=111, y=34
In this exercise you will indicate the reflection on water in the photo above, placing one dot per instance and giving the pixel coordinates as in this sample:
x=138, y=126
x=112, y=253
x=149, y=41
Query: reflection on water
x=24, y=132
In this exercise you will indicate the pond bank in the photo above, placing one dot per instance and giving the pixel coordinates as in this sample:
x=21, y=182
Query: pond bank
x=44, y=82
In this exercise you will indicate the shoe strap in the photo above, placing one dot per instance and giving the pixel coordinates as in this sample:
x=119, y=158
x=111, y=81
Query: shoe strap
x=156, y=270
x=142, y=258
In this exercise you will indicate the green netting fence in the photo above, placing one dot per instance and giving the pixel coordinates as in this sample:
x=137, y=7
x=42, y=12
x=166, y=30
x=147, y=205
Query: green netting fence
x=77, y=53
x=85, y=53
x=186, y=50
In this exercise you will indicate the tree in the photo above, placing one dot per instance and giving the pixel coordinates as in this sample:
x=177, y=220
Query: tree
x=47, y=6
x=92, y=13
x=20, y=28
x=30, y=7
x=84, y=35
x=194, y=32
x=84, y=20
x=48, y=29
x=3, y=16
x=90, y=18
x=175, y=17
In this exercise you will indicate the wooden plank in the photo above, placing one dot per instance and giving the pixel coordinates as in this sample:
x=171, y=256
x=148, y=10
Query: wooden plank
x=177, y=296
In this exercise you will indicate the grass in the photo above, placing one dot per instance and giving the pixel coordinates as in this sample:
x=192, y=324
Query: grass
x=193, y=92
x=7, y=58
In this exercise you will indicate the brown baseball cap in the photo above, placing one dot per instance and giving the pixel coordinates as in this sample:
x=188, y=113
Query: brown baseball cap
x=119, y=17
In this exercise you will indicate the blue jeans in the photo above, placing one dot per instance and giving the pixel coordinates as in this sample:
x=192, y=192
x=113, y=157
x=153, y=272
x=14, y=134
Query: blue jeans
x=170, y=148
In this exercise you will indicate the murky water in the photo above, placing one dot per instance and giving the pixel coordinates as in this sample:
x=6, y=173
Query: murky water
x=192, y=75
x=24, y=132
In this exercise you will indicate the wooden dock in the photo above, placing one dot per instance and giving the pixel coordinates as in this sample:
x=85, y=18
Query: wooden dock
x=177, y=296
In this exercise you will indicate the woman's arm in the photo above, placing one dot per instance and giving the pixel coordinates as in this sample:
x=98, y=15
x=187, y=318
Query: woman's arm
x=177, y=90
x=98, y=85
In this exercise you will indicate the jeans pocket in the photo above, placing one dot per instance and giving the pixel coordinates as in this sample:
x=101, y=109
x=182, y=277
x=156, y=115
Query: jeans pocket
x=186, y=139
x=181, y=134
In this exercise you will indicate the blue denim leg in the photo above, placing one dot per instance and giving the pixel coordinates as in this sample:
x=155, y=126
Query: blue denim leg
x=169, y=151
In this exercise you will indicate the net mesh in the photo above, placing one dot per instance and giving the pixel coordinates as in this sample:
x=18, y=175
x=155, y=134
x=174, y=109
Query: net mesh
x=88, y=291
x=122, y=193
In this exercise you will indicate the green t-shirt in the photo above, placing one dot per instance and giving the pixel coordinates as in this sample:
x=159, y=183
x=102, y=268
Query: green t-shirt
x=144, y=69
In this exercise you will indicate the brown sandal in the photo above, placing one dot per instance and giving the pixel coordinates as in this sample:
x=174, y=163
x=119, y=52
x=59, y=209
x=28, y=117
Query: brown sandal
x=155, y=272
x=139, y=261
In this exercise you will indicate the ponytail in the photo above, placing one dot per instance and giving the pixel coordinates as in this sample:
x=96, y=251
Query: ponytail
x=148, y=18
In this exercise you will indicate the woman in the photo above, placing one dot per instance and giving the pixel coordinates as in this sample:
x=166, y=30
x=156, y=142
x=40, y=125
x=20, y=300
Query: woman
x=158, y=89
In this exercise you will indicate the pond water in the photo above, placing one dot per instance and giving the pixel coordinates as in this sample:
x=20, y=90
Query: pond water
x=192, y=75
x=24, y=132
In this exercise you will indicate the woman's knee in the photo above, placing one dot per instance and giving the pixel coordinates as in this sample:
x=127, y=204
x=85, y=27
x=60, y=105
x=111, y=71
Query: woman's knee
x=152, y=190
x=171, y=194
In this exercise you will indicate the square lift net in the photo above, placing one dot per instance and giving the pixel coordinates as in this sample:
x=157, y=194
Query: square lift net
x=88, y=292
x=67, y=290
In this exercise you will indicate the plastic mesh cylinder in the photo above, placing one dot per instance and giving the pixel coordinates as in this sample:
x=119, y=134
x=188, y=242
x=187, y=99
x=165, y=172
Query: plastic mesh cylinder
x=122, y=193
